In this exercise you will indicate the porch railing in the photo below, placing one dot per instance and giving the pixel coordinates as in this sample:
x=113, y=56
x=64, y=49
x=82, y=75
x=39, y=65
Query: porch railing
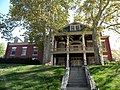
x=73, y=49
x=59, y=49
x=90, y=79
x=89, y=48
x=65, y=79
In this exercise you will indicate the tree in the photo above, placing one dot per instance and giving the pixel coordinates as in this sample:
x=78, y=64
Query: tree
x=99, y=15
x=2, y=49
x=7, y=25
x=40, y=17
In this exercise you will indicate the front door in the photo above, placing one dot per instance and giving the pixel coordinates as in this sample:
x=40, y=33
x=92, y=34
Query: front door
x=76, y=61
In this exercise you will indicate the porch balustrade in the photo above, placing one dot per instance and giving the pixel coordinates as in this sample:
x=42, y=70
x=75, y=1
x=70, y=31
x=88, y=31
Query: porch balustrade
x=89, y=48
x=59, y=49
x=73, y=48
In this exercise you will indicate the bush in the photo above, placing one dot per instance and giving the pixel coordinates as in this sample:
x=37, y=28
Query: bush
x=28, y=61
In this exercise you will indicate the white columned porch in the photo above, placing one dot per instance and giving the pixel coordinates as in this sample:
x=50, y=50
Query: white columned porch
x=84, y=54
x=67, y=51
x=52, y=49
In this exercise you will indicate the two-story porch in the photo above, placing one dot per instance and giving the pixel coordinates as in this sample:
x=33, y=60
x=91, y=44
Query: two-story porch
x=73, y=49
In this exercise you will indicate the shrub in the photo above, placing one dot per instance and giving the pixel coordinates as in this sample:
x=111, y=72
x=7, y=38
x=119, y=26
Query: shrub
x=28, y=61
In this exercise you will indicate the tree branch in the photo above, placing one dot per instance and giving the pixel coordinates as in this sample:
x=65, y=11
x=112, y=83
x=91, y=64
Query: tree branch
x=113, y=25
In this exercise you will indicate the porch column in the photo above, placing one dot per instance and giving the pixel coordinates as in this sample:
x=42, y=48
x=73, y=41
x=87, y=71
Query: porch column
x=67, y=51
x=54, y=60
x=67, y=65
x=52, y=49
x=67, y=43
x=83, y=41
x=51, y=59
x=84, y=56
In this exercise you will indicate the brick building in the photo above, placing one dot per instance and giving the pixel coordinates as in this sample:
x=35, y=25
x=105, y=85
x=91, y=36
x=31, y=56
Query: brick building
x=74, y=47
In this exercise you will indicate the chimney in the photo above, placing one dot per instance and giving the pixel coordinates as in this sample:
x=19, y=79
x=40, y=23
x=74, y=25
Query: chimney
x=16, y=39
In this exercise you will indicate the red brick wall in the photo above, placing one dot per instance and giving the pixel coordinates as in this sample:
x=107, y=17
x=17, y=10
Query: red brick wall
x=108, y=52
x=29, y=52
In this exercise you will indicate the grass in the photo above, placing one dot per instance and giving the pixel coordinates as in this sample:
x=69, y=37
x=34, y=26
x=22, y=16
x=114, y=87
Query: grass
x=106, y=77
x=30, y=77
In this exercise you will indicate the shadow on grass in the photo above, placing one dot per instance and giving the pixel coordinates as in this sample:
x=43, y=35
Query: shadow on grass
x=35, y=79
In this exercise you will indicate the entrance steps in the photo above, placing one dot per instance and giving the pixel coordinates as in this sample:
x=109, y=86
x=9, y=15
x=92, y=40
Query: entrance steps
x=77, y=79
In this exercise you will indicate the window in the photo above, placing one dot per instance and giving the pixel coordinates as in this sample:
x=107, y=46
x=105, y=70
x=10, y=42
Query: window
x=71, y=28
x=24, y=50
x=105, y=58
x=35, y=51
x=77, y=28
x=74, y=27
x=103, y=45
x=13, y=51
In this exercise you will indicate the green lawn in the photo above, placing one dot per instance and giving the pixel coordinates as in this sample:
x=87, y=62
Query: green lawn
x=30, y=77
x=106, y=77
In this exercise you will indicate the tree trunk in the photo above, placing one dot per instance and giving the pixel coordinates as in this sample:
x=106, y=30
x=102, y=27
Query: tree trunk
x=44, y=51
x=47, y=48
x=96, y=46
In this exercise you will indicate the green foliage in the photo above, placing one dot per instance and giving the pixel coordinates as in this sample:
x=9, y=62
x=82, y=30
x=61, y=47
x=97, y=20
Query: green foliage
x=106, y=77
x=30, y=77
x=7, y=25
x=40, y=16
x=2, y=49
x=99, y=14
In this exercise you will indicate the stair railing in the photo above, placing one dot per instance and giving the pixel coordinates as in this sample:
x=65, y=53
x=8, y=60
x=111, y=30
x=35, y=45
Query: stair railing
x=65, y=79
x=90, y=79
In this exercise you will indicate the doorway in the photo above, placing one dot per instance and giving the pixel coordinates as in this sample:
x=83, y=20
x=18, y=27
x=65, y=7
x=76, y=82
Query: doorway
x=76, y=61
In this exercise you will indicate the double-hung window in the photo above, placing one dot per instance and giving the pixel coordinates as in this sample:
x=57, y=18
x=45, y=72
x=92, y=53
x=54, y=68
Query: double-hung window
x=13, y=51
x=103, y=46
x=24, y=51
x=35, y=51
x=74, y=28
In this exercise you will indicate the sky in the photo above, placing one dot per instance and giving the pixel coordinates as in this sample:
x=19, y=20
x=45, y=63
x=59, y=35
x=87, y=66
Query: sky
x=114, y=37
x=4, y=9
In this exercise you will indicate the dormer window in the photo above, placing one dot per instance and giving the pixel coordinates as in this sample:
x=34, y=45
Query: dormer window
x=74, y=27
x=77, y=27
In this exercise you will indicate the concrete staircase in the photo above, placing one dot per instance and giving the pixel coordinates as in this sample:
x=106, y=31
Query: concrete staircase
x=77, y=79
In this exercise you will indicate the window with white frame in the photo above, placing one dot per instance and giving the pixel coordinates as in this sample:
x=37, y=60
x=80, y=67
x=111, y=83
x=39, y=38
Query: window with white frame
x=13, y=51
x=35, y=51
x=77, y=27
x=105, y=58
x=103, y=45
x=74, y=27
x=24, y=50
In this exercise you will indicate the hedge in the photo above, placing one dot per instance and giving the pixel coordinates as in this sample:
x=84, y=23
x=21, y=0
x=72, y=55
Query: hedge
x=28, y=61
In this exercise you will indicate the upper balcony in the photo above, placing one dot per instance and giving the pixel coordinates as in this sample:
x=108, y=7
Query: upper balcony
x=73, y=49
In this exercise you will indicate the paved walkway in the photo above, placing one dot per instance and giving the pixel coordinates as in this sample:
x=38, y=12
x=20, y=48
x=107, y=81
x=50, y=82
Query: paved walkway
x=77, y=79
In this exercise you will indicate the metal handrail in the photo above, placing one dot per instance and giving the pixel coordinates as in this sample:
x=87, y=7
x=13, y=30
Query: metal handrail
x=90, y=79
x=65, y=79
